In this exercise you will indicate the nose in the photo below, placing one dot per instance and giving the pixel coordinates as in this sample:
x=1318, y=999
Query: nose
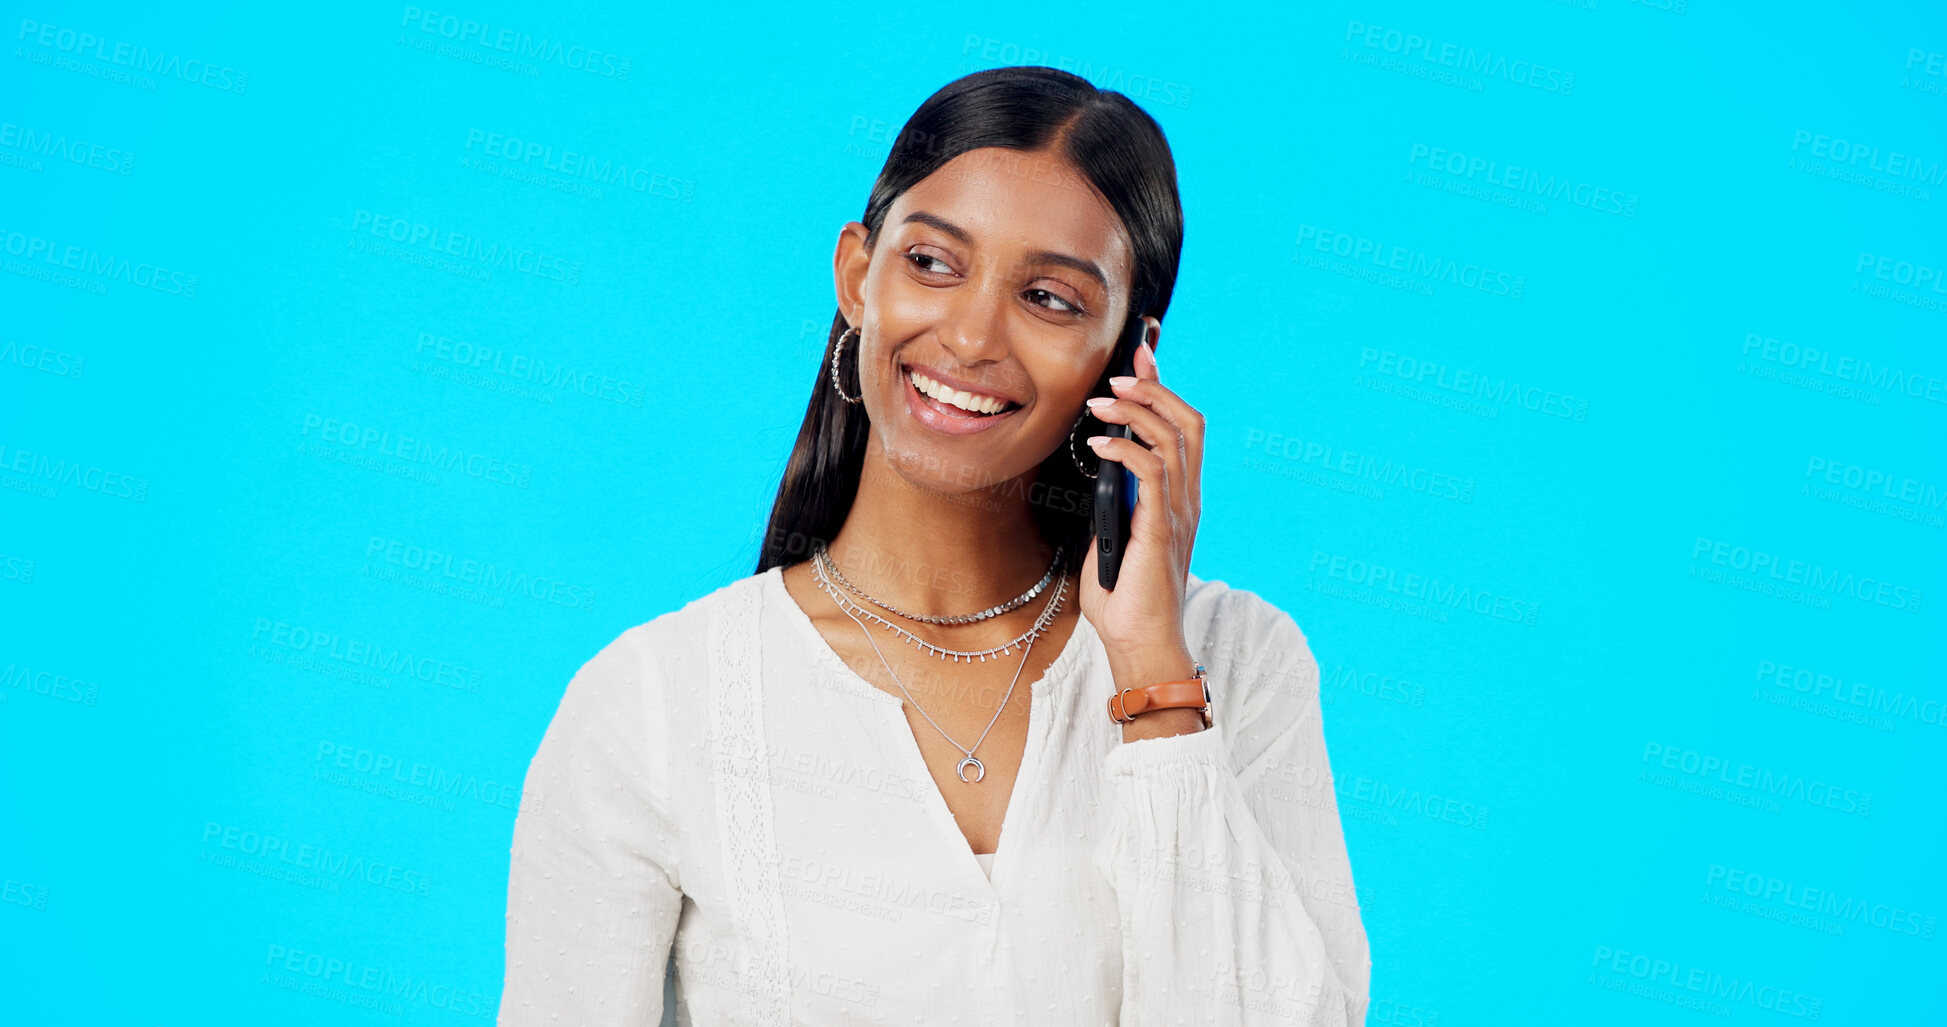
x=976, y=329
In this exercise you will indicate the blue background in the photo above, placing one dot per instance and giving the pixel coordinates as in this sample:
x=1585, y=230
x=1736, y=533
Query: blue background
x=186, y=538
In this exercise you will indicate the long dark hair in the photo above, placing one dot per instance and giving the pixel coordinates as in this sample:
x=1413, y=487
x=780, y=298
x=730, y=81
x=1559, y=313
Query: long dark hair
x=1119, y=149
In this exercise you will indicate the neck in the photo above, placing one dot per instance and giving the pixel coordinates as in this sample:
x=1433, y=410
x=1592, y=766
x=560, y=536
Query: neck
x=935, y=553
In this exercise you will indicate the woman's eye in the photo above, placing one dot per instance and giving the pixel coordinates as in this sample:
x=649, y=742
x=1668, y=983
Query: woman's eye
x=1065, y=307
x=920, y=259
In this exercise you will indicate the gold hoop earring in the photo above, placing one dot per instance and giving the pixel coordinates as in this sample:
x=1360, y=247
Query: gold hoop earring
x=838, y=351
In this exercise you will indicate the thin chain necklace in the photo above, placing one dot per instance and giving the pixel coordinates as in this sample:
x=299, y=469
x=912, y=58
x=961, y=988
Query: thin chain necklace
x=831, y=567
x=821, y=564
x=968, y=759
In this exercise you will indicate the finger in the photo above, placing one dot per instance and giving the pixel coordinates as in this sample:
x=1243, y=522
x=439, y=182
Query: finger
x=1152, y=519
x=1189, y=423
x=1162, y=437
x=1186, y=419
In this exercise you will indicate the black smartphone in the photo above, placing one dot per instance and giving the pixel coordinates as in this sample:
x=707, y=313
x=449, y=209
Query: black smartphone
x=1115, y=487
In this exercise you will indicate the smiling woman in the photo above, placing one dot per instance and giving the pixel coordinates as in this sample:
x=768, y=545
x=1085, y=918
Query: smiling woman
x=921, y=767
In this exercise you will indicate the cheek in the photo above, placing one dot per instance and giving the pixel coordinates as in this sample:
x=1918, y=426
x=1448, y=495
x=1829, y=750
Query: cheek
x=903, y=305
x=1063, y=383
x=1055, y=413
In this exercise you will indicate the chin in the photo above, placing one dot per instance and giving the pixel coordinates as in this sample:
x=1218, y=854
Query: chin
x=953, y=471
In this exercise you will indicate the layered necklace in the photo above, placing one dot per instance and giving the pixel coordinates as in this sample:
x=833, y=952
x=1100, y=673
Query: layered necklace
x=826, y=574
x=971, y=618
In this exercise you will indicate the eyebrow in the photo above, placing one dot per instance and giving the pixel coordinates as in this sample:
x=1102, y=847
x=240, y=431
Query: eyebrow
x=1087, y=267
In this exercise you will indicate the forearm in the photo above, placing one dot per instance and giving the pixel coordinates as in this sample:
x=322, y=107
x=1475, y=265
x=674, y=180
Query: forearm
x=1215, y=929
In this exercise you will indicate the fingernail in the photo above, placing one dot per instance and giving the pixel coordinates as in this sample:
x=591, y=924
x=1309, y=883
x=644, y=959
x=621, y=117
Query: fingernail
x=1099, y=402
x=1150, y=352
x=1122, y=381
x=1097, y=440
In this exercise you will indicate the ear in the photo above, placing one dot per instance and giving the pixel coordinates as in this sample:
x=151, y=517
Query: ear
x=850, y=260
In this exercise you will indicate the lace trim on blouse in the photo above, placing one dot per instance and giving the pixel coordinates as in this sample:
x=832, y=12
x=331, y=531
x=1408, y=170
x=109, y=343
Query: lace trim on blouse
x=740, y=761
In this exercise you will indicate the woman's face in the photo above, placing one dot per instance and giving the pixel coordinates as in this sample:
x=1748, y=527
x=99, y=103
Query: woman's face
x=1003, y=275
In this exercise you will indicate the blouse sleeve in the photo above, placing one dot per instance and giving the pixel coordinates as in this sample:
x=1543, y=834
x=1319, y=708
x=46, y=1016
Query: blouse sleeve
x=1233, y=885
x=593, y=893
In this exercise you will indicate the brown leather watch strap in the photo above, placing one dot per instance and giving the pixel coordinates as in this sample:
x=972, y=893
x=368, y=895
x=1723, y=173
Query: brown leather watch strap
x=1128, y=704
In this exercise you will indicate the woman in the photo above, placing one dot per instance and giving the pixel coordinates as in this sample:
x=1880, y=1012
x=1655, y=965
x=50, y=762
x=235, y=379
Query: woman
x=885, y=778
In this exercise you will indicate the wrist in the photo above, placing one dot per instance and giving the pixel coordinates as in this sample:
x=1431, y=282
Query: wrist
x=1167, y=663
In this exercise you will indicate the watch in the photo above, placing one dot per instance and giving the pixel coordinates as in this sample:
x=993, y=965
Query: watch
x=1189, y=693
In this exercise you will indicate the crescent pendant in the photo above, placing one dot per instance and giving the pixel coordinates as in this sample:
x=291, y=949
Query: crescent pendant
x=979, y=771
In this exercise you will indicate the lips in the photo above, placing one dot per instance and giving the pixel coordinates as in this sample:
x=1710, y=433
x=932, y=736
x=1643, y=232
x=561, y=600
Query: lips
x=946, y=416
x=957, y=395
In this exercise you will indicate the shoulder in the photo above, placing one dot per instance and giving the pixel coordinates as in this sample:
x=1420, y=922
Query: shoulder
x=1258, y=659
x=1241, y=628
x=628, y=702
x=671, y=643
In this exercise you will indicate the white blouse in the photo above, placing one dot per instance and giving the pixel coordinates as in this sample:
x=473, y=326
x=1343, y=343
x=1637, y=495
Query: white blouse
x=718, y=783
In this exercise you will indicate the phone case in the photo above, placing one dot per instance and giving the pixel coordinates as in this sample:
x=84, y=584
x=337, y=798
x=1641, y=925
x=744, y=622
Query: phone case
x=1115, y=487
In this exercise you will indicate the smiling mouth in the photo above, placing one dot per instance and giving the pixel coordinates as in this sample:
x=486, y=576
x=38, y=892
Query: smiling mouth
x=956, y=402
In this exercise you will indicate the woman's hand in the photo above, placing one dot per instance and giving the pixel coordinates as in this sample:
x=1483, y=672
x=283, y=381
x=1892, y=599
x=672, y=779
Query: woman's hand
x=1141, y=621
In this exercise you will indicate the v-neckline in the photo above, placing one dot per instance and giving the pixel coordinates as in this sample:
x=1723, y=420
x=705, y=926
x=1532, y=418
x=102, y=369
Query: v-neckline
x=1071, y=652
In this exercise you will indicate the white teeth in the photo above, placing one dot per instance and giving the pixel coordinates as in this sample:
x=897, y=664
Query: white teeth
x=964, y=400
